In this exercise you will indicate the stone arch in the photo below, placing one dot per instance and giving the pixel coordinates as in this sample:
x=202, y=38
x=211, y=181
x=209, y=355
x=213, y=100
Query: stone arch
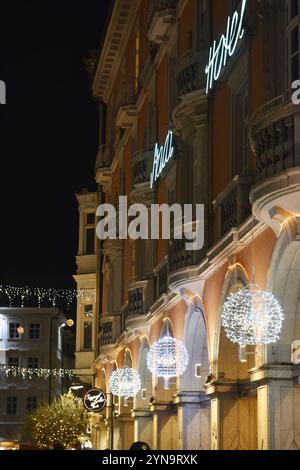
x=284, y=282
x=226, y=362
x=196, y=343
x=144, y=397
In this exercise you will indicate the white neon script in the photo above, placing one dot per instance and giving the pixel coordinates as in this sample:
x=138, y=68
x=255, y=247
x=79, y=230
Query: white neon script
x=219, y=53
x=95, y=400
x=162, y=155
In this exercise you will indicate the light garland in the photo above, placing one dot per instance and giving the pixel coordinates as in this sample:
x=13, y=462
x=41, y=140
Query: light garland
x=125, y=382
x=52, y=296
x=252, y=316
x=167, y=358
x=30, y=373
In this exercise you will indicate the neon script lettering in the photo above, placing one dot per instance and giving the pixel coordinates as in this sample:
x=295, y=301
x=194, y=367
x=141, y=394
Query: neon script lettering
x=162, y=155
x=219, y=53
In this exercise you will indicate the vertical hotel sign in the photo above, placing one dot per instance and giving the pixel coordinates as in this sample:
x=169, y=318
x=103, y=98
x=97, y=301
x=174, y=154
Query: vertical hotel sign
x=220, y=52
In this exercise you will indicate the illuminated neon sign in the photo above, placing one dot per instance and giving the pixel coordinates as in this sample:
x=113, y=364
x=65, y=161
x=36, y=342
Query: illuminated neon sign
x=219, y=53
x=162, y=155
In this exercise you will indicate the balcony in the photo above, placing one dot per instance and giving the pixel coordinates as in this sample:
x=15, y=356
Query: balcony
x=233, y=205
x=162, y=15
x=126, y=105
x=189, y=73
x=274, y=131
x=110, y=330
x=141, y=167
x=103, y=165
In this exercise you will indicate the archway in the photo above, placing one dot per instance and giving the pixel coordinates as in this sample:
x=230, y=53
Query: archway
x=234, y=412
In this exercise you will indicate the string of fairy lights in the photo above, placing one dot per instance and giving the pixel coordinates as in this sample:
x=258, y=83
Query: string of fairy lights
x=31, y=373
x=40, y=296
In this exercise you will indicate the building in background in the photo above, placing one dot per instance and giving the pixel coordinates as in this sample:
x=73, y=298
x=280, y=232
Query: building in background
x=236, y=151
x=86, y=281
x=30, y=338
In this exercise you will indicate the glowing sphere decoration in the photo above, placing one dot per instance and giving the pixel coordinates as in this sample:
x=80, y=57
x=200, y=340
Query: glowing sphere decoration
x=125, y=382
x=167, y=358
x=252, y=316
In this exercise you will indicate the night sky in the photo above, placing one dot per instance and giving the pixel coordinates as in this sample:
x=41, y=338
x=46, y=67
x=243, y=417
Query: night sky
x=48, y=134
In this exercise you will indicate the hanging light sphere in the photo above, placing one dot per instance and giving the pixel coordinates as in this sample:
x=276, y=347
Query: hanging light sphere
x=125, y=382
x=20, y=330
x=167, y=358
x=252, y=316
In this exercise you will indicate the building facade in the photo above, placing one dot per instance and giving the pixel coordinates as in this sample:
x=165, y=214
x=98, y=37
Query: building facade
x=30, y=338
x=223, y=88
x=86, y=281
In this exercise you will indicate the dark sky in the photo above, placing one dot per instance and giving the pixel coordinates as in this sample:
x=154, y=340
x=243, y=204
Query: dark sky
x=48, y=134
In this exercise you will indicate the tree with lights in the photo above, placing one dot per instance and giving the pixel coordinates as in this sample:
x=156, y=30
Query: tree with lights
x=63, y=421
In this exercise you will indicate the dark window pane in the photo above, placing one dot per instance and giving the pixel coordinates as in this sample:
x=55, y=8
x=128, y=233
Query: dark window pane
x=34, y=331
x=295, y=68
x=88, y=310
x=90, y=241
x=87, y=335
x=31, y=404
x=33, y=362
x=11, y=406
x=294, y=8
x=13, y=334
x=295, y=40
x=13, y=362
x=90, y=218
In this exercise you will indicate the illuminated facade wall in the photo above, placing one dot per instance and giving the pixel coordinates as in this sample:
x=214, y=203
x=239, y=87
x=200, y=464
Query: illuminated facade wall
x=237, y=143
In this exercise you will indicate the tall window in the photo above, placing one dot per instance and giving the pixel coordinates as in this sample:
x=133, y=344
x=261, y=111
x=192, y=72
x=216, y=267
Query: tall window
x=137, y=60
x=240, y=130
x=88, y=310
x=292, y=41
x=13, y=362
x=11, y=405
x=12, y=330
x=90, y=234
x=34, y=331
x=87, y=334
x=31, y=404
x=33, y=362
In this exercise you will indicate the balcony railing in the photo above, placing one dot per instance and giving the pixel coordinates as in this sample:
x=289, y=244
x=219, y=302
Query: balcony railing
x=142, y=167
x=233, y=204
x=189, y=76
x=128, y=93
x=136, y=302
x=161, y=16
x=106, y=333
x=103, y=159
x=178, y=256
x=272, y=138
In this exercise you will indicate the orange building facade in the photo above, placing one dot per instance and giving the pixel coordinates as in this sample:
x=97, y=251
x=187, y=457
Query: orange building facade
x=235, y=151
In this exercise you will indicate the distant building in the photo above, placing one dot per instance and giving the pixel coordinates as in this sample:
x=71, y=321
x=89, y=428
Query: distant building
x=86, y=325
x=41, y=345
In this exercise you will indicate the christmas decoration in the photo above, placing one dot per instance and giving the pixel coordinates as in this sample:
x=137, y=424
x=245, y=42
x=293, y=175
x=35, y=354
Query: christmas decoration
x=252, y=316
x=125, y=382
x=167, y=358
x=64, y=422
x=30, y=373
x=42, y=296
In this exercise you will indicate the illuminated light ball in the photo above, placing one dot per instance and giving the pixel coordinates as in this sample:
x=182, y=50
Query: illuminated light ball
x=20, y=330
x=252, y=316
x=70, y=322
x=125, y=382
x=167, y=358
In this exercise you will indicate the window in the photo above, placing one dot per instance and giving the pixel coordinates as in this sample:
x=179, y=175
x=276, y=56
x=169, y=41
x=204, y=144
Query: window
x=31, y=404
x=13, y=334
x=88, y=310
x=34, y=331
x=137, y=61
x=11, y=405
x=13, y=362
x=33, y=362
x=240, y=129
x=90, y=241
x=292, y=42
x=87, y=334
x=90, y=218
